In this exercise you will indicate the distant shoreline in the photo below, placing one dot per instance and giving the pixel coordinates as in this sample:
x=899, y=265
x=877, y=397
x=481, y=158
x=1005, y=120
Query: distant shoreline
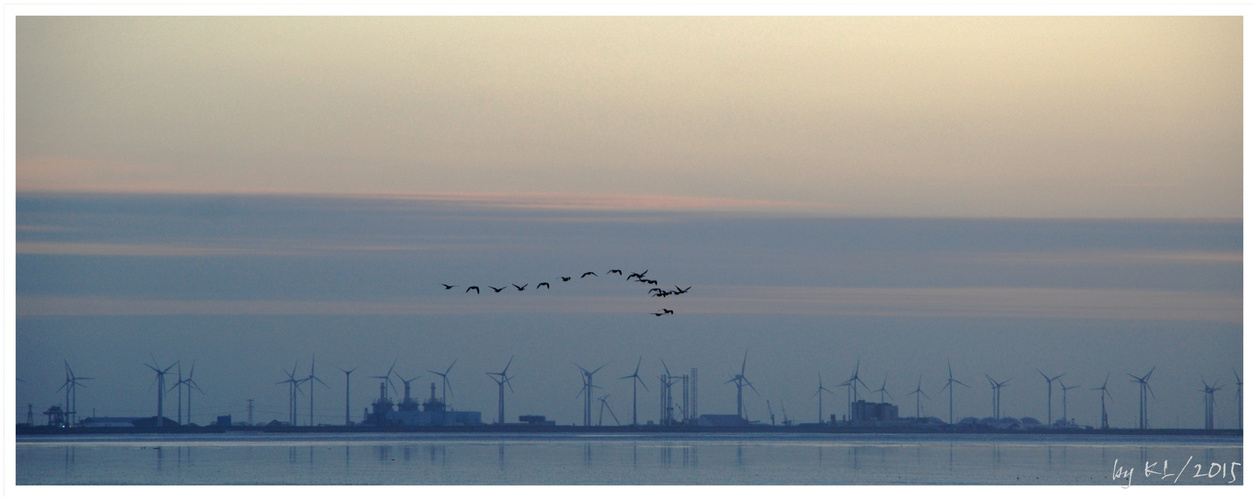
x=576, y=429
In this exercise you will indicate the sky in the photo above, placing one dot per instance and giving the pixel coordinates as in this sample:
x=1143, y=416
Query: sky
x=870, y=116
x=997, y=194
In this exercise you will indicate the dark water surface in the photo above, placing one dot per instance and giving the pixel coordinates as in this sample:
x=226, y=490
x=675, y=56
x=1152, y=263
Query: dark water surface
x=708, y=459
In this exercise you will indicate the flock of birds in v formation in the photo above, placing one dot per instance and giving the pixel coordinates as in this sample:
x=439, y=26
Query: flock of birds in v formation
x=638, y=277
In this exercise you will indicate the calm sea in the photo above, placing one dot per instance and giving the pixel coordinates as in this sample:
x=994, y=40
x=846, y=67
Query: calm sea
x=411, y=459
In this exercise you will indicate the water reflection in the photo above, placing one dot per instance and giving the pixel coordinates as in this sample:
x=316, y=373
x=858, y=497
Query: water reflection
x=435, y=452
x=838, y=461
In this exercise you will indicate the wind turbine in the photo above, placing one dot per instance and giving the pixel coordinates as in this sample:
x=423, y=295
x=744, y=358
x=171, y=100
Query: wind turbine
x=347, y=372
x=1144, y=400
x=190, y=385
x=992, y=382
x=1064, y=390
x=71, y=386
x=666, y=395
x=1104, y=392
x=1050, y=395
x=820, y=388
x=919, y=394
x=1240, y=402
x=637, y=380
x=1209, y=401
x=883, y=390
x=179, y=382
x=445, y=383
x=387, y=380
x=607, y=407
x=502, y=378
x=587, y=379
x=852, y=392
x=160, y=380
x=312, y=379
x=294, y=386
x=948, y=386
x=739, y=380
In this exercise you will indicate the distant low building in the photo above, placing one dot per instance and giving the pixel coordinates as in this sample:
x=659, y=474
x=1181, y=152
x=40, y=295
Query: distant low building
x=710, y=420
x=536, y=420
x=864, y=411
x=109, y=421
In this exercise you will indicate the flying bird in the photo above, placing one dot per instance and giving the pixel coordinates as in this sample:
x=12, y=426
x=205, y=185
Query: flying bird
x=588, y=273
x=565, y=278
x=496, y=289
x=680, y=291
x=520, y=288
x=448, y=286
x=470, y=288
x=658, y=314
x=649, y=282
x=667, y=311
x=539, y=285
x=615, y=271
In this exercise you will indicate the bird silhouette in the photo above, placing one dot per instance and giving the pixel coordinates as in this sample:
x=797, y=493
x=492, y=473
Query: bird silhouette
x=496, y=289
x=448, y=286
x=667, y=311
x=649, y=282
x=680, y=291
x=565, y=278
x=539, y=285
x=470, y=288
x=615, y=271
x=520, y=288
x=588, y=273
x=658, y=314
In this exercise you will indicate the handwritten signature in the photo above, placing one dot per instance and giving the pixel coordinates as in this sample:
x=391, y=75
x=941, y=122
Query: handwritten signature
x=1161, y=471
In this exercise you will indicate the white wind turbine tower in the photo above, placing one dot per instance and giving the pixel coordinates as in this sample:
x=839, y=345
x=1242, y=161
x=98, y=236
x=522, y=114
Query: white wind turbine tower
x=948, y=386
x=883, y=390
x=178, y=386
x=294, y=387
x=445, y=384
x=347, y=372
x=160, y=380
x=1240, y=402
x=1050, y=395
x=919, y=394
x=820, y=388
x=852, y=391
x=991, y=381
x=502, y=378
x=739, y=380
x=636, y=380
x=587, y=387
x=1104, y=392
x=1144, y=400
x=1064, y=389
x=190, y=385
x=71, y=386
x=1209, y=401
x=667, y=380
x=312, y=379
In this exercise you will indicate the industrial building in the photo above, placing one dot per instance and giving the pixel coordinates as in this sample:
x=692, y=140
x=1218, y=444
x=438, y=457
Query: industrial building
x=411, y=413
x=864, y=411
